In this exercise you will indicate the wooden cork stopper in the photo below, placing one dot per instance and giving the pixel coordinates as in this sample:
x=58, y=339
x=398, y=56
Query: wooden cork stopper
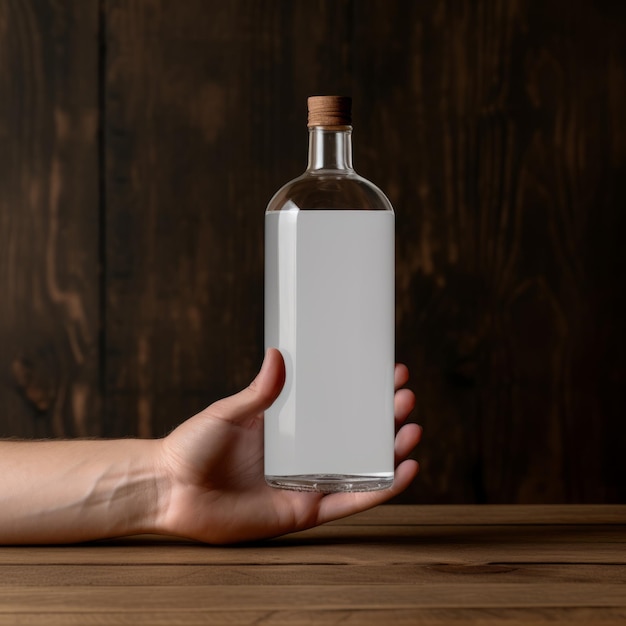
x=330, y=111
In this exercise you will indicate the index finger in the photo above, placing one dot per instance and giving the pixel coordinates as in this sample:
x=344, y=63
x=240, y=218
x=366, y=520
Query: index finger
x=400, y=375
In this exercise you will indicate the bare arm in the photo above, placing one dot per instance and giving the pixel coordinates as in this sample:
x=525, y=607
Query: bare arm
x=66, y=491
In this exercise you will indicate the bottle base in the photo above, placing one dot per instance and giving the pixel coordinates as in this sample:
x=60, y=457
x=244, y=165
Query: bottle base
x=331, y=483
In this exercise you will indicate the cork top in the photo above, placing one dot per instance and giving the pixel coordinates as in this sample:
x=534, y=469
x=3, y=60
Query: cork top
x=333, y=111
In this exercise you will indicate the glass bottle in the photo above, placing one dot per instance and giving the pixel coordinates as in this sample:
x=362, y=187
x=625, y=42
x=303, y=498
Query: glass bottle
x=329, y=309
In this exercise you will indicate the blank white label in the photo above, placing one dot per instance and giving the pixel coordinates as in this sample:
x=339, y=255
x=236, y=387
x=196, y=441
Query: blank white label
x=329, y=308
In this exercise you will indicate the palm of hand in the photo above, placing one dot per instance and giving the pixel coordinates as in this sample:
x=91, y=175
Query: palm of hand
x=216, y=488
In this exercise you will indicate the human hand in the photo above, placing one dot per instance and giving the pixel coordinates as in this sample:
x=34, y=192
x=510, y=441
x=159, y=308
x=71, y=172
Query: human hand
x=212, y=464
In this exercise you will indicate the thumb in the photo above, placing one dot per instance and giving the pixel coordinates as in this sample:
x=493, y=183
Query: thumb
x=258, y=395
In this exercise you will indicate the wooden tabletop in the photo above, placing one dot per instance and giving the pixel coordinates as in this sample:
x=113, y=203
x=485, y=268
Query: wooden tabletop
x=394, y=565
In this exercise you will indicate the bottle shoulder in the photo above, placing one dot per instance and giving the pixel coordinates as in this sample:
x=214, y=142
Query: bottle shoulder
x=329, y=190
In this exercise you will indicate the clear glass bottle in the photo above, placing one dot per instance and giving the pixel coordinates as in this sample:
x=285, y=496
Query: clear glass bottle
x=329, y=309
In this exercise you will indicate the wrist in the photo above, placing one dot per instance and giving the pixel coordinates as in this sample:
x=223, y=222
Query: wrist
x=142, y=490
x=125, y=494
x=157, y=514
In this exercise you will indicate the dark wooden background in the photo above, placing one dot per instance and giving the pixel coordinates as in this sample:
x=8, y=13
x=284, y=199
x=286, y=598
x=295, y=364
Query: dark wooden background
x=140, y=141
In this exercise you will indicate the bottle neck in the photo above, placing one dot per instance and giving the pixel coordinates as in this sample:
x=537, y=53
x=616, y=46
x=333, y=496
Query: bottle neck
x=330, y=148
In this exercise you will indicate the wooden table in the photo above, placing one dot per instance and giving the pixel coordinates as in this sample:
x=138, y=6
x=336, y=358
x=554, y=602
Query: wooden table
x=395, y=565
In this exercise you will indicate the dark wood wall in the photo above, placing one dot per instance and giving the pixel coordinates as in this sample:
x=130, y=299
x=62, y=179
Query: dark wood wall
x=141, y=139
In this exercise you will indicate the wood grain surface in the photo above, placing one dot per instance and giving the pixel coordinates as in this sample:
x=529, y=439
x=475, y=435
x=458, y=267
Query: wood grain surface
x=49, y=317
x=404, y=564
x=145, y=137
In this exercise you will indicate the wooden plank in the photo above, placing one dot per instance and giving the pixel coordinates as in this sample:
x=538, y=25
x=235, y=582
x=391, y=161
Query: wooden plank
x=48, y=219
x=554, y=534
x=306, y=597
x=423, y=550
x=203, y=101
x=485, y=514
x=362, y=543
x=305, y=574
x=358, y=617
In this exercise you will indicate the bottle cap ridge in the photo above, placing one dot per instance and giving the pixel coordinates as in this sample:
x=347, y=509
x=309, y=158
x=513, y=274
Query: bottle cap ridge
x=330, y=111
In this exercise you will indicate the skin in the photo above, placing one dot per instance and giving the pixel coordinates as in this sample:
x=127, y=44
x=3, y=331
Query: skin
x=203, y=481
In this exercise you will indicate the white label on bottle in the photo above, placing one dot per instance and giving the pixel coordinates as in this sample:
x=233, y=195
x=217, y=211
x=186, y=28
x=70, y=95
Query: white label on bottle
x=329, y=308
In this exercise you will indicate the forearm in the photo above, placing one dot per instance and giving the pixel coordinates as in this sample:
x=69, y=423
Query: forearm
x=68, y=491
